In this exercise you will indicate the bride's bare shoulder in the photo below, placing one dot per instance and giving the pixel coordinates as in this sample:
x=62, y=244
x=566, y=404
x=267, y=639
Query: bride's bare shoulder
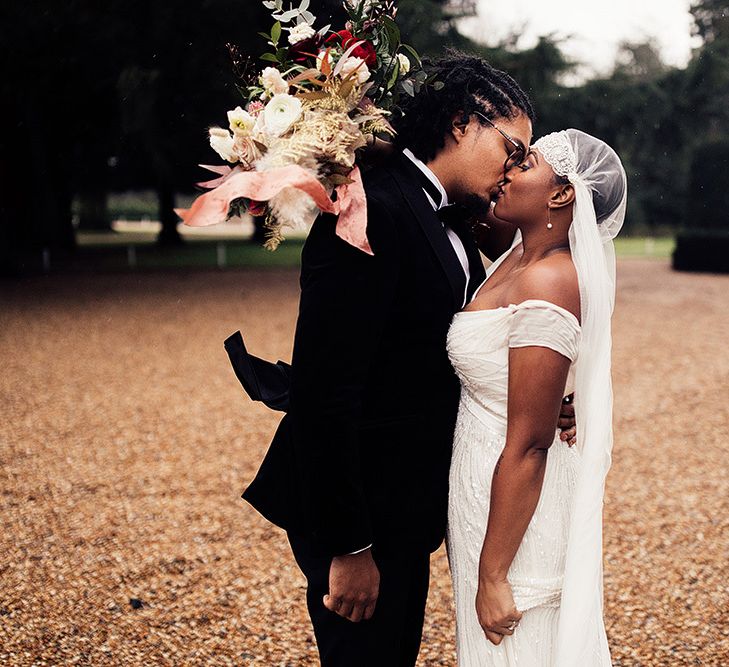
x=552, y=279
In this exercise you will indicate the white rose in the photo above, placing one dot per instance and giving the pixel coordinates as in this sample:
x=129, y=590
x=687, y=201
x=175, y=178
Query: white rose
x=281, y=113
x=300, y=32
x=273, y=82
x=221, y=142
x=353, y=63
x=404, y=63
x=241, y=122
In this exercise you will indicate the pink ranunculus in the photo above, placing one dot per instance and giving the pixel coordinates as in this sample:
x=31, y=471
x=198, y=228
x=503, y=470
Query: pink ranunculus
x=255, y=107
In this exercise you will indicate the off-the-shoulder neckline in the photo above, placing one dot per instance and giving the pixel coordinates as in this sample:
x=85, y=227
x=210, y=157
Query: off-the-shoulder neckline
x=514, y=306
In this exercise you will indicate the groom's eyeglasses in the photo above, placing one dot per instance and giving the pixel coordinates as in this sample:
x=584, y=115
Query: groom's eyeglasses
x=517, y=155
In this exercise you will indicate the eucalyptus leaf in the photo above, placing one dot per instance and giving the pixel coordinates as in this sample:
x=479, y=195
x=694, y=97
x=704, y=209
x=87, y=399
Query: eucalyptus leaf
x=285, y=17
x=276, y=32
x=395, y=73
x=438, y=85
x=308, y=17
x=304, y=5
x=393, y=32
x=409, y=87
x=412, y=52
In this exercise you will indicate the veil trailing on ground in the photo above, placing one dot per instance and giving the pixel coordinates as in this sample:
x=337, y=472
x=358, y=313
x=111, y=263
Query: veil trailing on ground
x=600, y=184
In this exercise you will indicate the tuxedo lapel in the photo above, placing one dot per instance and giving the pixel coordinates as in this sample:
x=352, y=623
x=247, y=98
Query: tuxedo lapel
x=411, y=189
x=475, y=261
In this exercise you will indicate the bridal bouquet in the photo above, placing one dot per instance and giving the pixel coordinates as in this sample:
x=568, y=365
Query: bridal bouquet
x=323, y=95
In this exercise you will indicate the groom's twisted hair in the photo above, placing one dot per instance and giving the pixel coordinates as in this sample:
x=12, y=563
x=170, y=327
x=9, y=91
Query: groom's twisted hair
x=469, y=84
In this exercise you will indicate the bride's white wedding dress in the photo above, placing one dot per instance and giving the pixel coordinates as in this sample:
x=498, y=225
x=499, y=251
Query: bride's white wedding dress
x=478, y=346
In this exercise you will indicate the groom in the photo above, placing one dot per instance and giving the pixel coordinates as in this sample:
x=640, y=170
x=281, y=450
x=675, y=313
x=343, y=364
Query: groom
x=357, y=473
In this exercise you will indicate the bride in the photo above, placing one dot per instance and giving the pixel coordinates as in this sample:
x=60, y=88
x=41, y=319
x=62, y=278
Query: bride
x=525, y=510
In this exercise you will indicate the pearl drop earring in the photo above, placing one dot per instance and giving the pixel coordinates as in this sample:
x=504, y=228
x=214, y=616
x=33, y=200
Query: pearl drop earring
x=549, y=218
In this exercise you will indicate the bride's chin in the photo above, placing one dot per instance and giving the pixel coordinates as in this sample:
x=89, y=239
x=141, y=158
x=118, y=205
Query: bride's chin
x=495, y=212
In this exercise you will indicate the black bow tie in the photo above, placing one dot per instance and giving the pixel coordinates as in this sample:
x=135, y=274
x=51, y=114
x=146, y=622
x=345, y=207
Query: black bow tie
x=453, y=216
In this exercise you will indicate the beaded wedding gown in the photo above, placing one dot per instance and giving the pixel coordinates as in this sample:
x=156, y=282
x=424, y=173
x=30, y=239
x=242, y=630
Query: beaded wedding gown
x=478, y=346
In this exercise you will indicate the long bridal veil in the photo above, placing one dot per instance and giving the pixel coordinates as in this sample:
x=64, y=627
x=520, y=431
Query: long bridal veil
x=600, y=184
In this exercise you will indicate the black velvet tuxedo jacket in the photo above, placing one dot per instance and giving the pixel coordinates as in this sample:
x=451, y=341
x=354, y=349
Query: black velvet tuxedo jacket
x=363, y=455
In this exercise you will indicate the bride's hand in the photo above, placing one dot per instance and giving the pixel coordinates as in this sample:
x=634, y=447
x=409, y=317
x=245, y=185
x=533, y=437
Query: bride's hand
x=496, y=610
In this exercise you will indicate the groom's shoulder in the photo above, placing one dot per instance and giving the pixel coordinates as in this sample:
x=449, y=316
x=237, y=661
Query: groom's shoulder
x=381, y=183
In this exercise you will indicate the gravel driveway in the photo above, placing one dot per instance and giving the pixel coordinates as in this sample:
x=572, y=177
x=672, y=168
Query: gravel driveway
x=126, y=441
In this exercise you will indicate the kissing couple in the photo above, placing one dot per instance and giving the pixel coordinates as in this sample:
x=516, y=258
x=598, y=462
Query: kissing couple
x=427, y=395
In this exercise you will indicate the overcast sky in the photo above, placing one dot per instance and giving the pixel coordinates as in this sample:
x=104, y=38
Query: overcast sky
x=593, y=28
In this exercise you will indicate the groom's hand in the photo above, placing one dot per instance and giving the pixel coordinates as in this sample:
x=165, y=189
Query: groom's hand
x=567, y=420
x=354, y=583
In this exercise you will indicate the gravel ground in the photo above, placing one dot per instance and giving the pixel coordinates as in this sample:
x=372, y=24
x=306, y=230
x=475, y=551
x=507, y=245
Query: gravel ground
x=126, y=442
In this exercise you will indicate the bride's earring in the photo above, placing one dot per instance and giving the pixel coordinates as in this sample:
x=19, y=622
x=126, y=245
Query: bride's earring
x=549, y=218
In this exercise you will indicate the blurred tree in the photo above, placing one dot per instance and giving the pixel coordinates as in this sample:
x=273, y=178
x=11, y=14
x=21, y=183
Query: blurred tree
x=711, y=19
x=539, y=70
x=639, y=61
x=640, y=110
x=57, y=112
x=176, y=81
x=119, y=96
x=703, y=243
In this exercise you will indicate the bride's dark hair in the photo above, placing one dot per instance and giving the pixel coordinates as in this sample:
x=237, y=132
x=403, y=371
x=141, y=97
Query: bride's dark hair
x=469, y=84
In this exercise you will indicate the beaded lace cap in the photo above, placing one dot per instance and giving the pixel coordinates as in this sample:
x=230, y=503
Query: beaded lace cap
x=557, y=150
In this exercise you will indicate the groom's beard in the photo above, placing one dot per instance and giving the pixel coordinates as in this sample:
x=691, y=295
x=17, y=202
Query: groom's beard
x=476, y=205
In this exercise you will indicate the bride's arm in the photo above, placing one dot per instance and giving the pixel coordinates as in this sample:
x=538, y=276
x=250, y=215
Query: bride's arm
x=537, y=377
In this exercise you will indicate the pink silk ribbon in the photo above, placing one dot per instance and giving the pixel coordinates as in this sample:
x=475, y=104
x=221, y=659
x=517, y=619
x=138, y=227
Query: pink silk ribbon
x=351, y=205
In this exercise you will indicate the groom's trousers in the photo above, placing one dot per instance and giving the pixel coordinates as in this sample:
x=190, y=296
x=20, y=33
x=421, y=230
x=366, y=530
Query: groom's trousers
x=391, y=638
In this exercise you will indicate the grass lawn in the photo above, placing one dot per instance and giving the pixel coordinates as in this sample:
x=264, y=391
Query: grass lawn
x=645, y=247
x=136, y=250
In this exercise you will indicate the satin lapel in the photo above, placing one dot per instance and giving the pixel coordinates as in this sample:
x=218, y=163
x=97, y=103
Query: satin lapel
x=475, y=262
x=432, y=226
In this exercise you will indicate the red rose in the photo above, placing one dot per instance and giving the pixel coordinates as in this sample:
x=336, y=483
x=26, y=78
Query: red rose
x=366, y=50
x=343, y=36
x=305, y=49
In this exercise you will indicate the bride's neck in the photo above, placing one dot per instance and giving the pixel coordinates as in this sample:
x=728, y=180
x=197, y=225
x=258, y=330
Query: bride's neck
x=538, y=243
